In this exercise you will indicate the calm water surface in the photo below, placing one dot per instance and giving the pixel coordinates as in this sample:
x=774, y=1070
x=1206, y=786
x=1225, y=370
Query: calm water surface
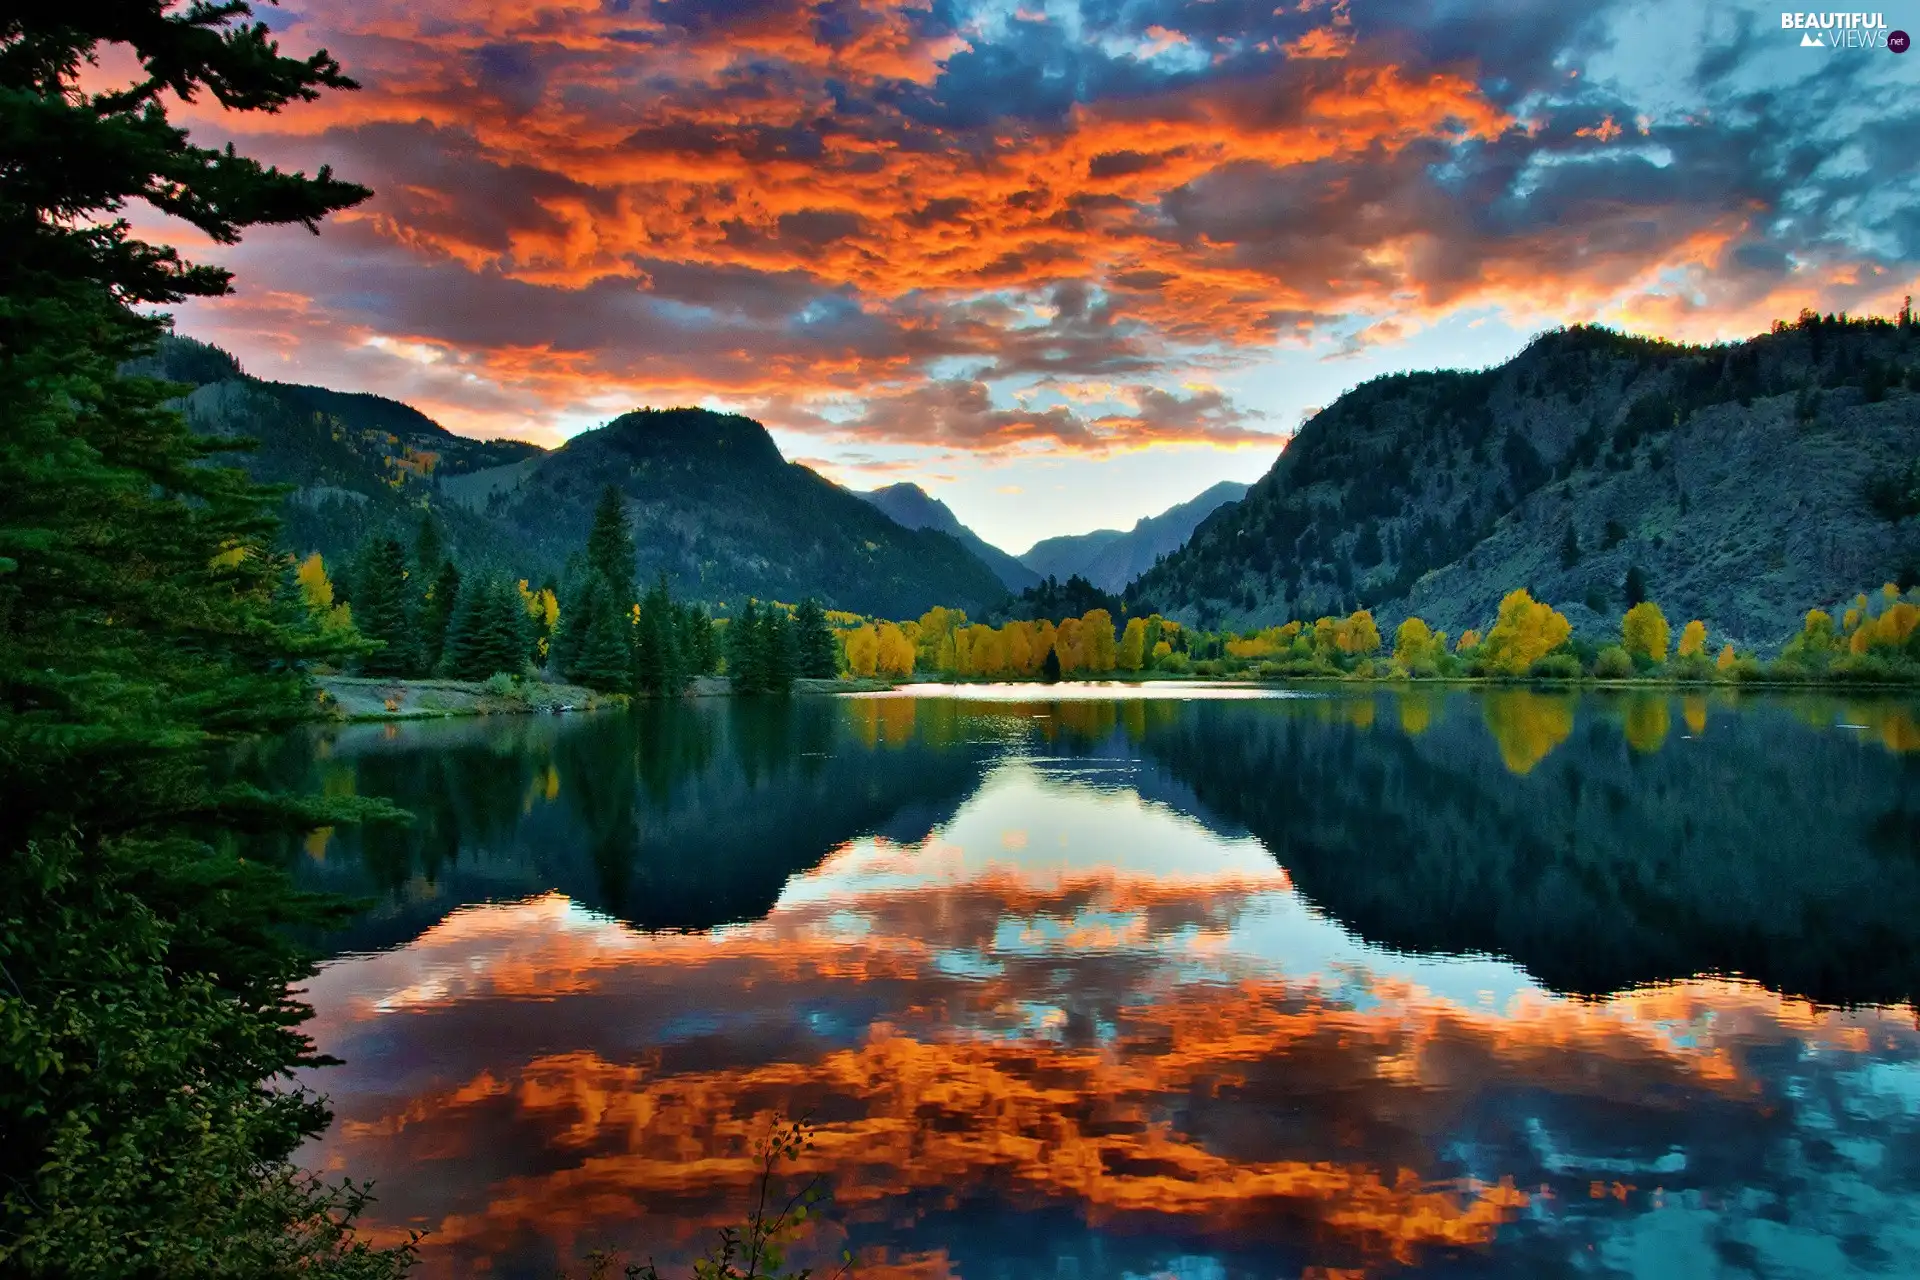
x=1387, y=984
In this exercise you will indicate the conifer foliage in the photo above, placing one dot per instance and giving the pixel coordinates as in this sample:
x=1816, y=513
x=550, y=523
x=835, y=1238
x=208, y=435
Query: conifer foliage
x=384, y=611
x=144, y=618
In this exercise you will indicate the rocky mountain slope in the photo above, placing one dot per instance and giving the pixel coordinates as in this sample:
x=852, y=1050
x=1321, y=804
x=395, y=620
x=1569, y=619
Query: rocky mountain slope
x=915, y=508
x=1746, y=482
x=715, y=506
x=1110, y=559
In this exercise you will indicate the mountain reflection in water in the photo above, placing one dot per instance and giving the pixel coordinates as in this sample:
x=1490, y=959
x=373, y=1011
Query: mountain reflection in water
x=1512, y=984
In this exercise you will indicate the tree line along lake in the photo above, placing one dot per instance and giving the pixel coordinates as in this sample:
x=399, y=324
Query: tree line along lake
x=1216, y=981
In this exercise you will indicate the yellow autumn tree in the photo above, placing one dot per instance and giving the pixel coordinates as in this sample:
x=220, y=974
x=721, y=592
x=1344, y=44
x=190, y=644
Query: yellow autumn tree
x=1643, y=632
x=1415, y=647
x=1469, y=639
x=936, y=626
x=1524, y=631
x=1096, y=627
x=316, y=589
x=1162, y=650
x=1356, y=635
x=1017, y=639
x=986, y=651
x=896, y=652
x=1693, y=640
x=1069, y=643
x=1045, y=640
x=1132, y=653
x=863, y=650
x=1726, y=659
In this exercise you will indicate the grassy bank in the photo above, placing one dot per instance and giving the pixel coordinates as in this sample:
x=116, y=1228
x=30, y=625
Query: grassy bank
x=374, y=698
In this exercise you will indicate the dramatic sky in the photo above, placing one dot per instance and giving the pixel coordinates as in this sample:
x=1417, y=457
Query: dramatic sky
x=1063, y=263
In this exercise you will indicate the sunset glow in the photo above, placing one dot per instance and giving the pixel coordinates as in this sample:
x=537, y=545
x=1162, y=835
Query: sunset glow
x=990, y=247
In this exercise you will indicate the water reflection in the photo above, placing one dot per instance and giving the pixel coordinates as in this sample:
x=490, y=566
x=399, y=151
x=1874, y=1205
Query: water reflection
x=1141, y=988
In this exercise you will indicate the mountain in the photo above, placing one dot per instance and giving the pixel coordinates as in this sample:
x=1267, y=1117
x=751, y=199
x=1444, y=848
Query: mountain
x=1110, y=559
x=1747, y=482
x=358, y=463
x=716, y=507
x=914, y=507
x=714, y=504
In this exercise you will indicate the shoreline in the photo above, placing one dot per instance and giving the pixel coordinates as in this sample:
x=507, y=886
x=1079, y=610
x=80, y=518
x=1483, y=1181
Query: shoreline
x=361, y=699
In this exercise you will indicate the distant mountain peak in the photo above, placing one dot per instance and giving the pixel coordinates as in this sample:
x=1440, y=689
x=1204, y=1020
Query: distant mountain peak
x=909, y=505
x=1110, y=559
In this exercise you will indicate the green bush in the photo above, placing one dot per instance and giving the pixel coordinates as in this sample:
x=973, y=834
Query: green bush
x=1613, y=663
x=499, y=685
x=1693, y=668
x=1556, y=666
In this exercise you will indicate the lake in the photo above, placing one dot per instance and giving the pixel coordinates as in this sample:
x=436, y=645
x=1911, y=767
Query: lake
x=1085, y=982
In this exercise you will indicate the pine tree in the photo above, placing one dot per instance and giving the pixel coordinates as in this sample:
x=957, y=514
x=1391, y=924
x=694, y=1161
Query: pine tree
x=747, y=651
x=1050, y=667
x=488, y=635
x=602, y=626
x=148, y=997
x=610, y=544
x=1635, y=587
x=659, y=668
x=697, y=644
x=437, y=615
x=383, y=610
x=781, y=657
x=429, y=551
x=813, y=642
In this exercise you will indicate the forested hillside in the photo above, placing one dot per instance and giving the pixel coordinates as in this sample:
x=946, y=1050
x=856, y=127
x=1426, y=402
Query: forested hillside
x=715, y=506
x=1735, y=483
x=720, y=512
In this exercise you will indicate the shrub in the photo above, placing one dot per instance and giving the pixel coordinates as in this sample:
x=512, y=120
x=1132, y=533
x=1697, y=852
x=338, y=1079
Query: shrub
x=1557, y=666
x=1691, y=667
x=499, y=685
x=1613, y=663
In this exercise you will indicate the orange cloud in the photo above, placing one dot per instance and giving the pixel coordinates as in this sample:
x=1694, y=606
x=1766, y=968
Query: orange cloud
x=786, y=206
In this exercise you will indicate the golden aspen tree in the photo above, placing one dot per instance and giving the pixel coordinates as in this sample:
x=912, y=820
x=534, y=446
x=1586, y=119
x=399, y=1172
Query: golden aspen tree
x=1357, y=635
x=1044, y=640
x=1469, y=639
x=316, y=589
x=1069, y=643
x=896, y=656
x=1017, y=639
x=1413, y=645
x=1726, y=659
x=1132, y=653
x=1326, y=635
x=1525, y=631
x=1693, y=640
x=863, y=651
x=1643, y=632
x=1097, y=631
